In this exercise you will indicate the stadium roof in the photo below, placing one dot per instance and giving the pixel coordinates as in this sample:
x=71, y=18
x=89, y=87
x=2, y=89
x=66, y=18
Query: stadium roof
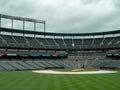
x=58, y=34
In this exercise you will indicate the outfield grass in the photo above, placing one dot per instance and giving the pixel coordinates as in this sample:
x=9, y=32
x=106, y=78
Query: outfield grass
x=26, y=80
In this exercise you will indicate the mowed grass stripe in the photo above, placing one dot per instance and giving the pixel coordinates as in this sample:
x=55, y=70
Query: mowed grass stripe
x=87, y=82
x=77, y=84
x=32, y=81
x=68, y=82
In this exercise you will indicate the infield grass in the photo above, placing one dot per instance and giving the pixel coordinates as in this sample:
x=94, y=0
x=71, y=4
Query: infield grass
x=27, y=80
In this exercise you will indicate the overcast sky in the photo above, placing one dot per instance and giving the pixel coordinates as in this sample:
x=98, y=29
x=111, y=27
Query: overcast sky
x=68, y=15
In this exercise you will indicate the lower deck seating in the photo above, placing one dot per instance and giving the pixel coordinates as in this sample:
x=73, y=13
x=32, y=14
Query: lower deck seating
x=7, y=65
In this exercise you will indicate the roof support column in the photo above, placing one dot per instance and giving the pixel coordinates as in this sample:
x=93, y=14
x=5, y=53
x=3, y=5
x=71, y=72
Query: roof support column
x=44, y=27
x=34, y=27
x=0, y=20
x=12, y=26
x=12, y=21
x=23, y=26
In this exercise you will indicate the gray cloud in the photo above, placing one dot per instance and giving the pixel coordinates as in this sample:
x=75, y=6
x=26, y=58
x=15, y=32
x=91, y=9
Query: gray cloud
x=68, y=15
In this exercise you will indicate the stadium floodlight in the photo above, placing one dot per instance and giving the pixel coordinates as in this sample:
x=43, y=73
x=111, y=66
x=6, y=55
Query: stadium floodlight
x=23, y=19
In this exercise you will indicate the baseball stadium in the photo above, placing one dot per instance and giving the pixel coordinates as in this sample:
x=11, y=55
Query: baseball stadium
x=40, y=60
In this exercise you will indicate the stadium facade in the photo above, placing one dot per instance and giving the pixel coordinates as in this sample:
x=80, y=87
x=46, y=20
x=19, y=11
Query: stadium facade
x=22, y=49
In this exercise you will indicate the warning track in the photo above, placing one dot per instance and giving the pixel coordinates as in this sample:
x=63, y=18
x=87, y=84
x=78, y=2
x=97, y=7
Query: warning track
x=85, y=72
